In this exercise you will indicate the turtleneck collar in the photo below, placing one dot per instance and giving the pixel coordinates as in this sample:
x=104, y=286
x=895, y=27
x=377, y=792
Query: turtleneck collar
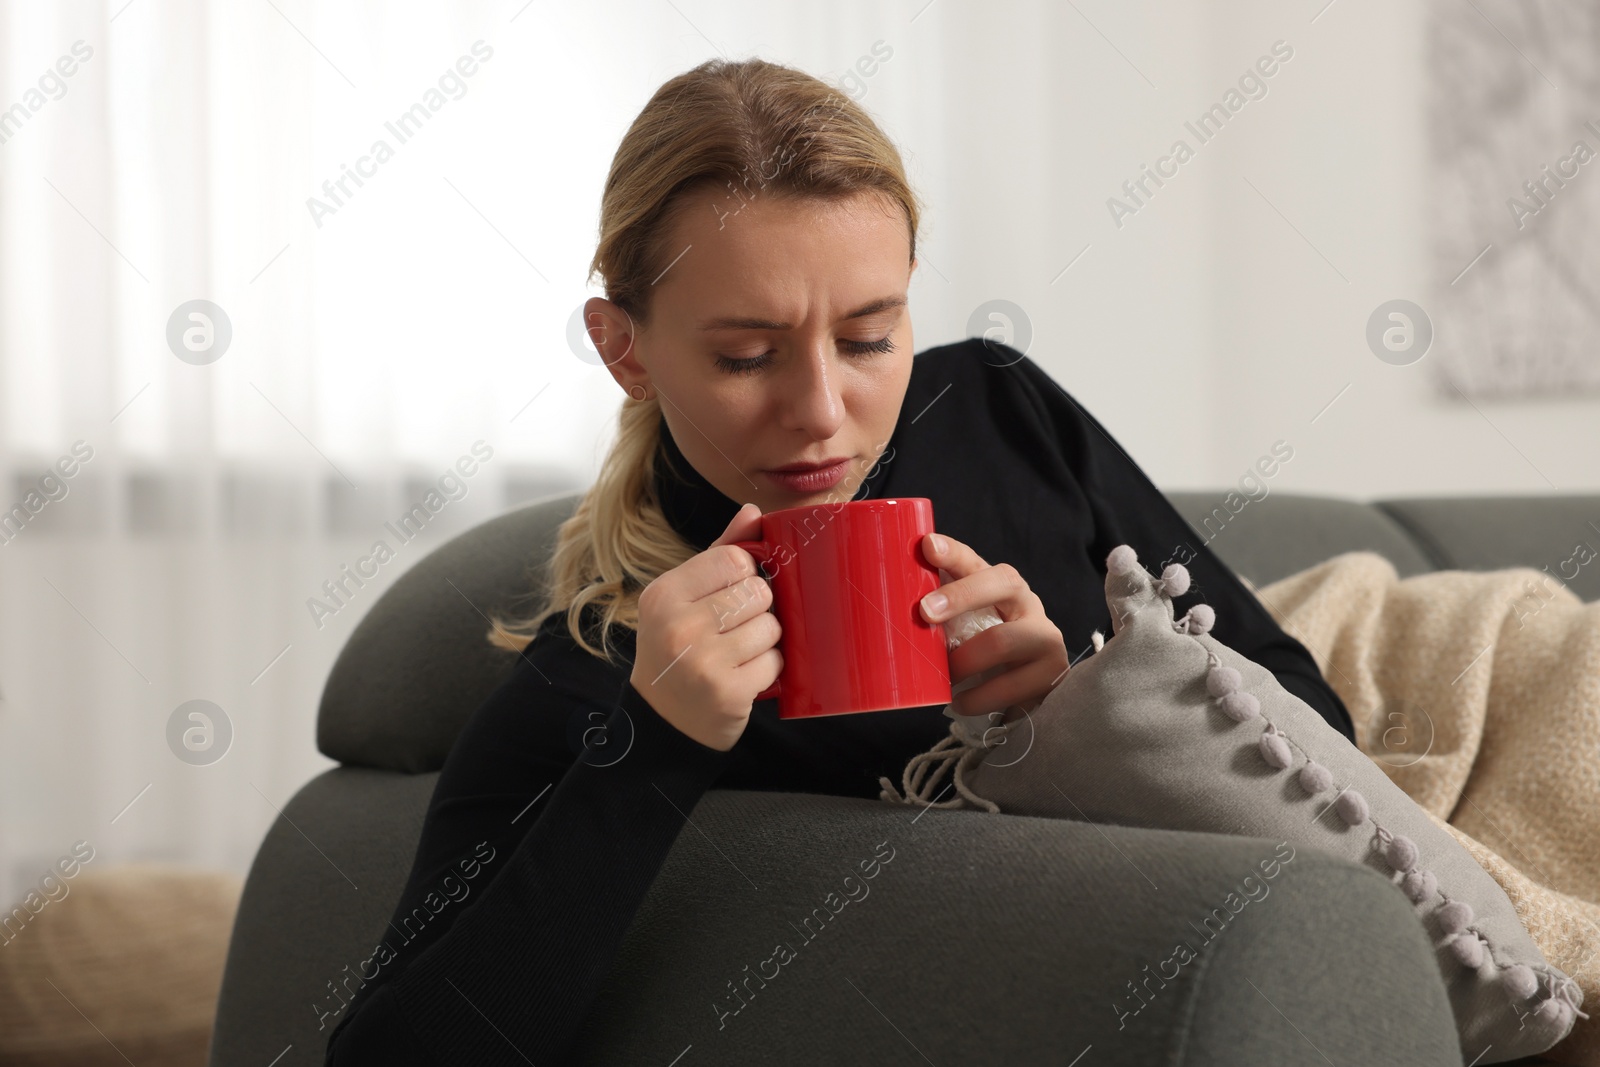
x=695, y=508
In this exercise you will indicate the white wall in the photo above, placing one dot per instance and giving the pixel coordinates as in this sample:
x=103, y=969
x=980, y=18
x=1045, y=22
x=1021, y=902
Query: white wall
x=1206, y=327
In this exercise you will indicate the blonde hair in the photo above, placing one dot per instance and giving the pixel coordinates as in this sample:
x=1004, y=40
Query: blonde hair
x=752, y=127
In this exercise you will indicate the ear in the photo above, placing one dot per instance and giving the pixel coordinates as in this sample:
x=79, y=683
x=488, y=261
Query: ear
x=613, y=333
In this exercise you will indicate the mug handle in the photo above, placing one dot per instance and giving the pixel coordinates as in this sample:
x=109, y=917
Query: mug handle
x=763, y=553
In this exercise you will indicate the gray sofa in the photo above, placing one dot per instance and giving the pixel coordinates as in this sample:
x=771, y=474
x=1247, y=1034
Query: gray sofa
x=985, y=940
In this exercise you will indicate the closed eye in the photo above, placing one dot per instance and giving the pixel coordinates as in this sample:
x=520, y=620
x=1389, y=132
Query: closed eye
x=883, y=344
x=752, y=364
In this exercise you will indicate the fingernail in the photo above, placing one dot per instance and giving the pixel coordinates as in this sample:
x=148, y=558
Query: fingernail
x=934, y=603
x=938, y=544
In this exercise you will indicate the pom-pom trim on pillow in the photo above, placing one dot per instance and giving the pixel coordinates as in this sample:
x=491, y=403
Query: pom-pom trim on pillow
x=963, y=751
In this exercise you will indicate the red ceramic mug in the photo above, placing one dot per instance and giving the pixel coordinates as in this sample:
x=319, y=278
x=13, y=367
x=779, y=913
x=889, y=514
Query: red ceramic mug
x=846, y=581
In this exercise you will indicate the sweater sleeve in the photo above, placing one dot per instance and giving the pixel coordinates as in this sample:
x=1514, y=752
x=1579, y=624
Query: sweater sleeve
x=1127, y=508
x=564, y=848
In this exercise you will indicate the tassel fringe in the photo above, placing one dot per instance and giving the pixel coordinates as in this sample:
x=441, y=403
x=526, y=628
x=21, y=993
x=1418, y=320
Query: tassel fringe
x=954, y=750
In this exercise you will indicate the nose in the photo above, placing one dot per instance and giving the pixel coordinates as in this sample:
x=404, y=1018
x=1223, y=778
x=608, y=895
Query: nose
x=812, y=400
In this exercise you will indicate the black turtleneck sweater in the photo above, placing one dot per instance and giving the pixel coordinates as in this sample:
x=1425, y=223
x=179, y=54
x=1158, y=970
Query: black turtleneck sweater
x=565, y=790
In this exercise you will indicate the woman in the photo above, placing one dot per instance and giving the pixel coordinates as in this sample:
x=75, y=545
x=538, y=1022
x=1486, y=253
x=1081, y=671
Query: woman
x=757, y=240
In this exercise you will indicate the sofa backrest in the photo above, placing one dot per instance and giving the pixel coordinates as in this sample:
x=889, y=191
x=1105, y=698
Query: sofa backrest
x=1556, y=533
x=1282, y=533
x=418, y=664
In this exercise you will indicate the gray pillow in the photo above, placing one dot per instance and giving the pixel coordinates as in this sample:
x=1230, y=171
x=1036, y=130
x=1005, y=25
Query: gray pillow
x=1164, y=726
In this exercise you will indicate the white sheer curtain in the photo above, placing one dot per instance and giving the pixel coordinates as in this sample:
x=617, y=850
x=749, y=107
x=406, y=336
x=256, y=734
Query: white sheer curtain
x=371, y=347
x=376, y=336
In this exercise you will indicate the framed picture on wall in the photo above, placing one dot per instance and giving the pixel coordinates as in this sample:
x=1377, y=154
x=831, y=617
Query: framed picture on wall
x=1514, y=132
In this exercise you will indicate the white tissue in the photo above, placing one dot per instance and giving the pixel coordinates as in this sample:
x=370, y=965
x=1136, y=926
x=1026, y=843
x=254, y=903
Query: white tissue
x=962, y=628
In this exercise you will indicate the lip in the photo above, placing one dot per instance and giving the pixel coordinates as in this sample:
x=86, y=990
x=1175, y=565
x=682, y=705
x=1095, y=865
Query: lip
x=800, y=468
x=810, y=478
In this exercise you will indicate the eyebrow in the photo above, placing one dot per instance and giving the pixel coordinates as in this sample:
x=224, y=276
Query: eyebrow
x=736, y=323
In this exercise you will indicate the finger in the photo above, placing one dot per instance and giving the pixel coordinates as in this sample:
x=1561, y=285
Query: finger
x=748, y=640
x=709, y=573
x=744, y=526
x=999, y=587
x=723, y=563
x=762, y=671
x=1020, y=685
x=1015, y=643
x=746, y=598
x=941, y=550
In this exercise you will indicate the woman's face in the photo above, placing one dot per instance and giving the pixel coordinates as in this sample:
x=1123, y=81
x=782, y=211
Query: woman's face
x=780, y=335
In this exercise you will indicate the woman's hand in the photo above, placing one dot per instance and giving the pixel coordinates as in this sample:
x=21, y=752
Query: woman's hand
x=1025, y=638
x=705, y=645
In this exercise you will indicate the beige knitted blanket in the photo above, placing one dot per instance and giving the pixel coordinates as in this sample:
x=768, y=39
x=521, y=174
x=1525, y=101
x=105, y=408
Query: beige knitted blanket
x=1478, y=693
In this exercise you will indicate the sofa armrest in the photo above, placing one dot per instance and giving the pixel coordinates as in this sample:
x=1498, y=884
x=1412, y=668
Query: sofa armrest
x=1008, y=939
x=974, y=938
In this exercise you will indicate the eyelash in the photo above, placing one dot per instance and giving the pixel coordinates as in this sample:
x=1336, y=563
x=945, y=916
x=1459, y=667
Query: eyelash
x=750, y=366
